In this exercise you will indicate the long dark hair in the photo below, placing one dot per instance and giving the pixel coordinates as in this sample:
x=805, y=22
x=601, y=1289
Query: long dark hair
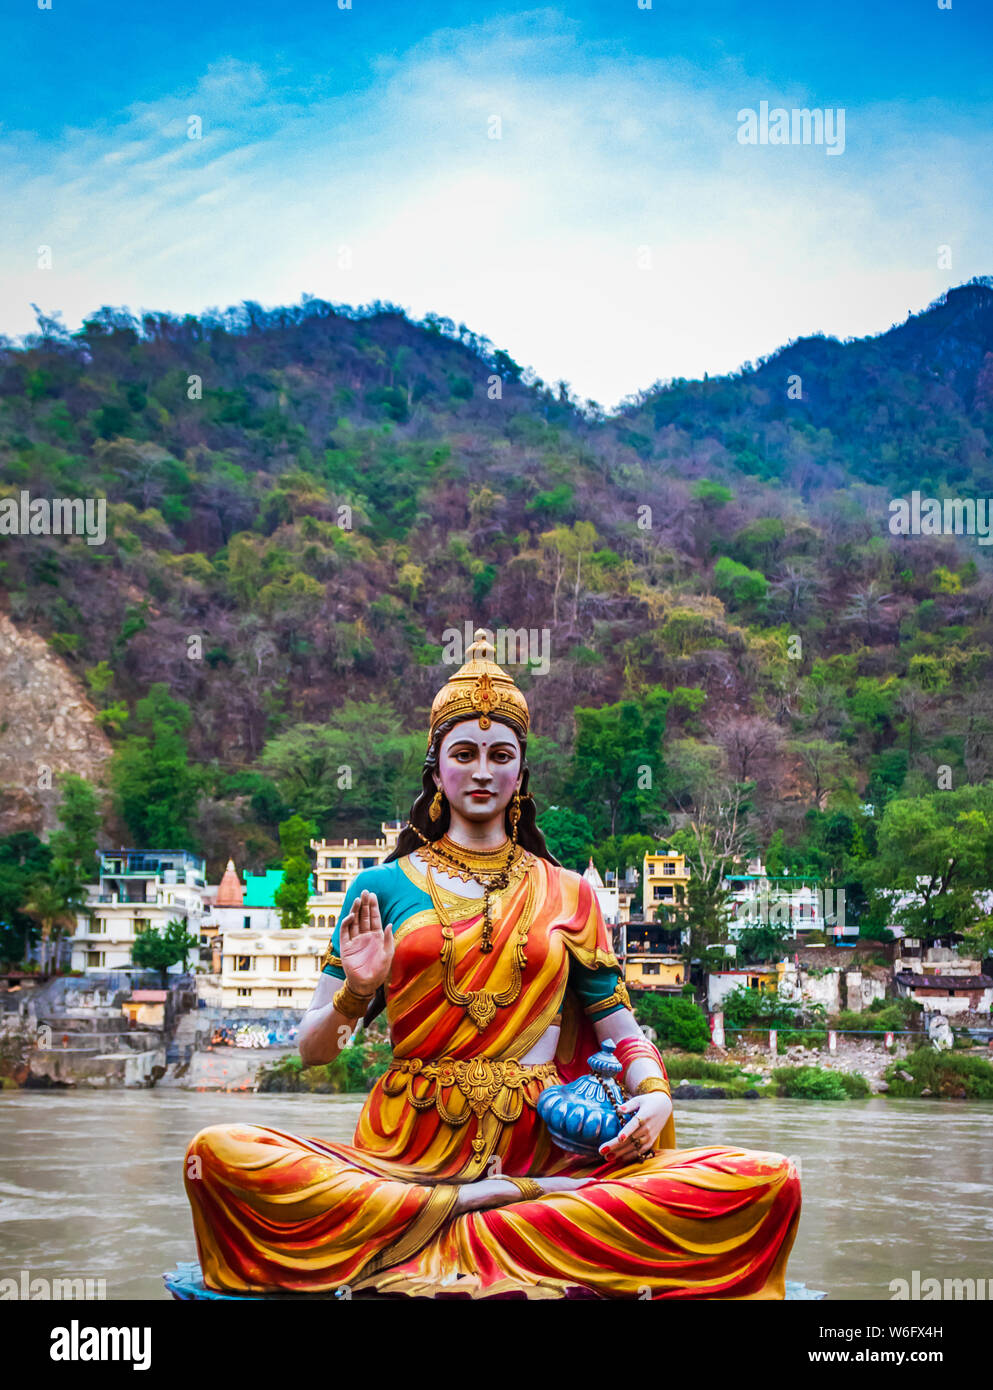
x=529, y=836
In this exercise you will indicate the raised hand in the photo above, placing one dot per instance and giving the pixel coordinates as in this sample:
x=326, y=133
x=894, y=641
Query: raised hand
x=365, y=945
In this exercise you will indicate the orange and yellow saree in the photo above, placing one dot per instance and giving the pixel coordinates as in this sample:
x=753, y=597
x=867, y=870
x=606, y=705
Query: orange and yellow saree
x=276, y=1212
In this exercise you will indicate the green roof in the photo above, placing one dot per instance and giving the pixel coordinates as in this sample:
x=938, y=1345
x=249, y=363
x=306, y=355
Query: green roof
x=773, y=878
x=260, y=889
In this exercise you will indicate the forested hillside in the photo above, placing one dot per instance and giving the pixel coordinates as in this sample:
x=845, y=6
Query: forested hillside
x=301, y=501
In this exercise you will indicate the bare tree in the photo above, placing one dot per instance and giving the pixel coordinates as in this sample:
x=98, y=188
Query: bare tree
x=867, y=607
x=749, y=741
x=794, y=592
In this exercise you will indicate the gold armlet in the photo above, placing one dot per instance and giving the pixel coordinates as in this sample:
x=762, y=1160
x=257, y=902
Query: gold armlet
x=619, y=996
x=349, y=1004
x=529, y=1189
x=329, y=956
x=653, y=1083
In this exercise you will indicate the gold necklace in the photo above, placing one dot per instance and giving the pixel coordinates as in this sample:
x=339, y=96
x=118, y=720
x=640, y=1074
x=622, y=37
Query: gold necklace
x=481, y=1004
x=482, y=866
x=489, y=877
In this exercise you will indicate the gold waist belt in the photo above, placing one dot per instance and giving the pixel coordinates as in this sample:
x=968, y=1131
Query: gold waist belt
x=483, y=1084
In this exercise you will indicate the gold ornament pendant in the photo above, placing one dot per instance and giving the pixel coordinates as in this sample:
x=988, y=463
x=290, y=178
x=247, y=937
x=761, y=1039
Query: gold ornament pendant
x=481, y=1004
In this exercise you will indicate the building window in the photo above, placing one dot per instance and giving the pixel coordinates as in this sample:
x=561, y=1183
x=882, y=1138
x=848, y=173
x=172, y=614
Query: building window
x=335, y=885
x=284, y=993
x=246, y=922
x=336, y=863
x=321, y=922
x=141, y=924
x=668, y=868
x=242, y=962
x=286, y=963
x=651, y=967
x=244, y=994
x=369, y=863
x=94, y=958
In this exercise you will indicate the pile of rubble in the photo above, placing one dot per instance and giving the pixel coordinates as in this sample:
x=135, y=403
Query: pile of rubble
x=865, y=1056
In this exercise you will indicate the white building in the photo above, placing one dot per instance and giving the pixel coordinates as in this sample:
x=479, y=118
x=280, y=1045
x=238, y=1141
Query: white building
x=940, y=979
x=902, y=898
x=271, y=969
x=138, y=890
x=338, y=863
x=790, y=901
x=607, y=897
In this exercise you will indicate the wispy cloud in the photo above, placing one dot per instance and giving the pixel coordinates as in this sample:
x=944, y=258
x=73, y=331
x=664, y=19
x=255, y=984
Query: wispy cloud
x=536, y=239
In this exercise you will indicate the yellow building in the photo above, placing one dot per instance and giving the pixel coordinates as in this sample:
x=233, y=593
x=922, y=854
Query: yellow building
x=663, y=882
x=662, y=970
x=338, y=863
x=647, y=948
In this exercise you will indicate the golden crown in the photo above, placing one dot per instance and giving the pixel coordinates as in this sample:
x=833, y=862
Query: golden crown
x=480, y=690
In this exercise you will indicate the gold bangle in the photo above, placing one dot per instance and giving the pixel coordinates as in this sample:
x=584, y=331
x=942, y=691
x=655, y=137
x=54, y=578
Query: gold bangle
x=329, y=956
x=529, y=1189
x=653, y=1083
x=349, y=1004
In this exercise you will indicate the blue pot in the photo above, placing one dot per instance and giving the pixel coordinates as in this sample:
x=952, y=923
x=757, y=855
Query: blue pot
x=582, y=1115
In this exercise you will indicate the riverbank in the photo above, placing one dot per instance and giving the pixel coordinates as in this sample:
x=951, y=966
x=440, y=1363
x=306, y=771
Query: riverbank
x=854, y=1071
x=857, y=1069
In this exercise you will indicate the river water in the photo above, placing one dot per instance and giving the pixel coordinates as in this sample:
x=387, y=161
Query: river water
x=91, y=1183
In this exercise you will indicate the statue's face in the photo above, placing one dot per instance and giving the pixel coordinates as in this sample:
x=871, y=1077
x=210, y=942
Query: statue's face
x=479, y=769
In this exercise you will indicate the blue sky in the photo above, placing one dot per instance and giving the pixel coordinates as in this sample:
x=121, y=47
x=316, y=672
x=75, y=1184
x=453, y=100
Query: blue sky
x=616, y=233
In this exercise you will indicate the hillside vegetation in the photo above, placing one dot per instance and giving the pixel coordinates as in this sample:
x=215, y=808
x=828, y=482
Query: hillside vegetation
x=302, y=501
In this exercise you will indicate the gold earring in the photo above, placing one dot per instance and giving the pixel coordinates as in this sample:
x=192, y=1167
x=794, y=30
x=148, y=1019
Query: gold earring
x=434, y=810
x=514, y=814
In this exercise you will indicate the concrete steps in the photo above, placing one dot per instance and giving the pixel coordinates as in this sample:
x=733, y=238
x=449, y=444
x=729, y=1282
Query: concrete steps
x=99, y=1069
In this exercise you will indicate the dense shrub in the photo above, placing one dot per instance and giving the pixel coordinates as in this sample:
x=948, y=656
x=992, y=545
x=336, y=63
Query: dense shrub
x=882, y=1016
x=855, y=1084
x=942, y=1074
x=755, y=1008
x=677, y=1021
x=809, y=1083
x=737, y=584
x=794, y=1038
x=682, y=1067
x=690, y=1067
x=356, y=1068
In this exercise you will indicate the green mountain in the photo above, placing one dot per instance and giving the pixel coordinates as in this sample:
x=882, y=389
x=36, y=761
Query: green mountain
x=300, y=502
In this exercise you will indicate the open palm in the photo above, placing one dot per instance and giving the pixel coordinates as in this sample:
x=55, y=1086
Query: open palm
x=365, y=945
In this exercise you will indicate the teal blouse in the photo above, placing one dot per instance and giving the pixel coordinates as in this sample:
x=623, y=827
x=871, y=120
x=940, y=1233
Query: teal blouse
x=399, y=898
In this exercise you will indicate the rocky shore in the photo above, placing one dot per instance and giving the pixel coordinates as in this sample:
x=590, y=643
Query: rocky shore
x=861, y=1057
